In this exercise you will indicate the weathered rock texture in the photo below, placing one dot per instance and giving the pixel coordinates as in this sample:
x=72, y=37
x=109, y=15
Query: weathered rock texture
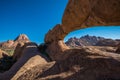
x=82, y=14
x=80, y=64
x=29, y=57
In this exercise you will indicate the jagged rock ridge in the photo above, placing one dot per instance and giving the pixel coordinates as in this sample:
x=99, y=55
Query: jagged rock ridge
x=8, y=54
x=13, y=43
x=91, y=41
x=22, y=38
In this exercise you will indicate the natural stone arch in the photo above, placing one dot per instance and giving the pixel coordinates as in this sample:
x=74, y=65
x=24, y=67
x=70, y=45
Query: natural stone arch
x=81, y=14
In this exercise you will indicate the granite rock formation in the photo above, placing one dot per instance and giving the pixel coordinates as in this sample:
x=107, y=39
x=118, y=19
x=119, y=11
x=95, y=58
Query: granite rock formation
x=81, y=14
x=29, y=58
x=79, y=64
x=71, y=64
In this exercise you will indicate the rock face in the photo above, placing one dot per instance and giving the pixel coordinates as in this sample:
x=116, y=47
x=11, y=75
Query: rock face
x=81, y=14
x=91, y=41
x=87, y=13
x=29, y=58
x=80, y=64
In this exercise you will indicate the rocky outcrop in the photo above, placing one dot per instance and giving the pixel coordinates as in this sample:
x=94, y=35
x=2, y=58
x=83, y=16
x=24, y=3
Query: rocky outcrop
x=22, y=38
x=55, y=34
x=56, y=49
x=87, y=13
x=29, y=58
x=80, y=64
x=81, y=14
x=7, y=44
x=13, y=43
x=92, y=64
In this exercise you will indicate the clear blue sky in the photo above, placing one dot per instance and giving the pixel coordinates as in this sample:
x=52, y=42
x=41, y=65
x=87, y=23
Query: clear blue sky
x=112, y=32
x=31, y=17
x=36, y=17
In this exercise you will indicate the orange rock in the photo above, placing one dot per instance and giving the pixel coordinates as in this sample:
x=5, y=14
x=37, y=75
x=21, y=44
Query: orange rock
x=81, y=14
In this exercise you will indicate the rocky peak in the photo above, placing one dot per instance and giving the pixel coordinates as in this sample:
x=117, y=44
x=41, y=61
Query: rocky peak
x=92, y=37
x=22, y=37
x=91, y=41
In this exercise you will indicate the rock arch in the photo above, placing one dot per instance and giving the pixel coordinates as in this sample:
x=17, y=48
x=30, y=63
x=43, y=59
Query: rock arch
x=81, y=14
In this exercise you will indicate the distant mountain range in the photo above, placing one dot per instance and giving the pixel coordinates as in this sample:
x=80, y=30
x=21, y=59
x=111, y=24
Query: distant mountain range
x=88, y=40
